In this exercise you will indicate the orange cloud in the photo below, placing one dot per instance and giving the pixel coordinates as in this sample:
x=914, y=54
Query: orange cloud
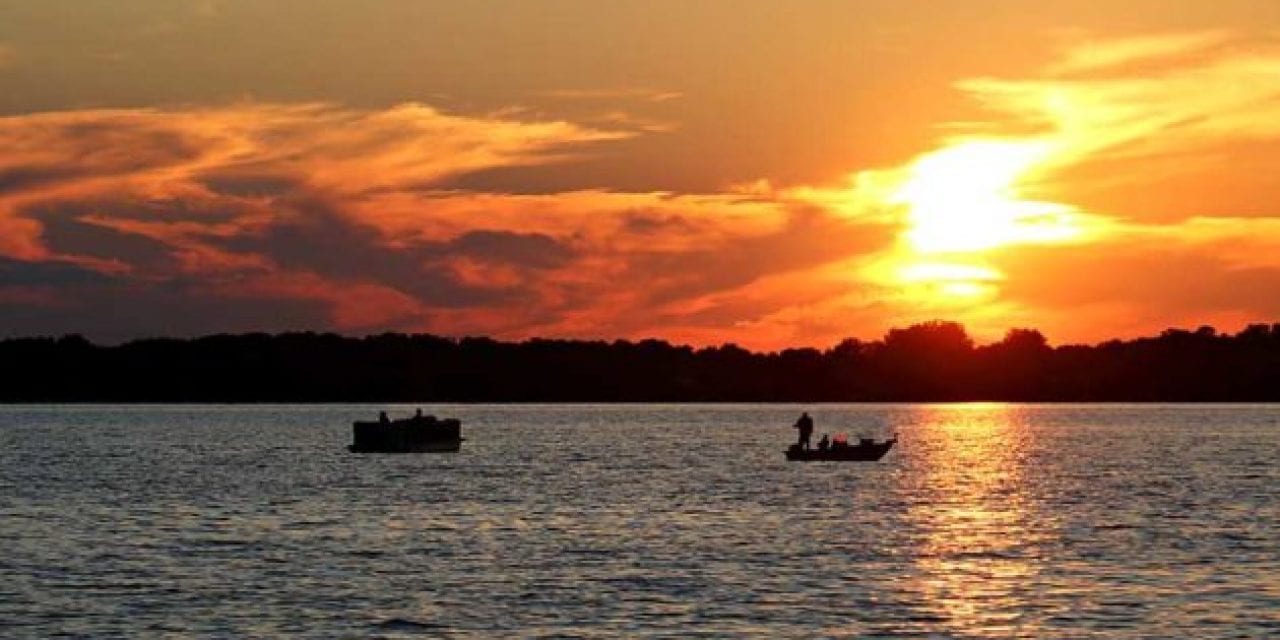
x=244, y=153
x=1128, y=161
x=1124, y=188
x=1200, y=111
x=1116, y=53
x=349, y=211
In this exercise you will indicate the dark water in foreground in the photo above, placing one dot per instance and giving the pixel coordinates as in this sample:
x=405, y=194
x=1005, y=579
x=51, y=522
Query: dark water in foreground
x=642, y=520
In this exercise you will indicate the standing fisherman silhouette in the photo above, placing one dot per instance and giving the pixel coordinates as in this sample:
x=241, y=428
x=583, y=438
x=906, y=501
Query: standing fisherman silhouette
x=805, y=426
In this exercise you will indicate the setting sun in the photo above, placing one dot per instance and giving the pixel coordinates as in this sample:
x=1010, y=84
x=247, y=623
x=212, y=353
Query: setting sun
x=965, y=198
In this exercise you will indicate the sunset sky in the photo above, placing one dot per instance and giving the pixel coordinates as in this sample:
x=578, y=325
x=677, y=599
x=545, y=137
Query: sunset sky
x=761, y=172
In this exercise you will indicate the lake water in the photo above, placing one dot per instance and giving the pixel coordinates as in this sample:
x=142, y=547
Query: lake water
x=1039, y=521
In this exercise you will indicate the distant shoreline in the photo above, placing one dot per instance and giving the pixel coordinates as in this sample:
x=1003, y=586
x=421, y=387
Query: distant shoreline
x=623, y=403
x=934, y=362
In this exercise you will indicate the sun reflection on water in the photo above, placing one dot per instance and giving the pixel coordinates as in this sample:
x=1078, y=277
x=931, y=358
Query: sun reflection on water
x=980, y=533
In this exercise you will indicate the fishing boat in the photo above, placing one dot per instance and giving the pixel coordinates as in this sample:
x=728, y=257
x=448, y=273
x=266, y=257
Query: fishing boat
x=418, y=434
x=867, y=450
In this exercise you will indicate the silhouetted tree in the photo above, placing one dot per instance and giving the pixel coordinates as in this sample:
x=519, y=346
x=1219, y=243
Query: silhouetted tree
x=928, y=361
x=933, y=361
x=1016, y=367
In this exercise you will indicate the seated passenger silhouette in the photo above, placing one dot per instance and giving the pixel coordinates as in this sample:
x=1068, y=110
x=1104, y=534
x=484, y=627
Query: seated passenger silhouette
x=823, y=443
x=382, y=418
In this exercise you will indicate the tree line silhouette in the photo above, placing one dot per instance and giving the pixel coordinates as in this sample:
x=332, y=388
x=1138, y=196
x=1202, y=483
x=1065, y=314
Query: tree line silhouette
x=933, y=361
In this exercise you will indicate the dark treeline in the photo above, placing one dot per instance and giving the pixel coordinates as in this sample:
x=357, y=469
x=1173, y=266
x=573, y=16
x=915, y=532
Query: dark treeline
x=935, y=361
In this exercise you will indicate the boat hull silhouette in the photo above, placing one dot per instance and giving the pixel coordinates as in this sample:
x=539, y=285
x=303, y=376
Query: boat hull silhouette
x=424, y=434
x=865, y=451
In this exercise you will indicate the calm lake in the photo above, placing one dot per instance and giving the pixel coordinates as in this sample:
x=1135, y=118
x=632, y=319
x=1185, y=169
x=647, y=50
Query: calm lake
x=1039, y=521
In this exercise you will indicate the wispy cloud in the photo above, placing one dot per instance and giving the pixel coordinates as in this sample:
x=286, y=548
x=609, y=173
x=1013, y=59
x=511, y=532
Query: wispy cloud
x=614, y=94
x=1091, y=194
x=245, y=155
x=1111, y=53
x=344, y=211
x=1178, y=106
x=1123, y=188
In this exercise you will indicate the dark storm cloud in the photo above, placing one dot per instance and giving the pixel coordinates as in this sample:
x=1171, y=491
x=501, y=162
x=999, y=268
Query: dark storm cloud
x=24, y=273
x=16, y=179
x=130, y=208
x=244, y=183
x=641, y=222
x=808, y=240
x=73, y=237
x=322, y=241
x=532, y=250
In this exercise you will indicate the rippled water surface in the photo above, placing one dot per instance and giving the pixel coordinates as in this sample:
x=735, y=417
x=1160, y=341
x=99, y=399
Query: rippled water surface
x=642, y=520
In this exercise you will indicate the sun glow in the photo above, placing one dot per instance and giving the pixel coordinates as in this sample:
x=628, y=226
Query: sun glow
x=954, y=280
x=946, y=271
x=964, y=198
